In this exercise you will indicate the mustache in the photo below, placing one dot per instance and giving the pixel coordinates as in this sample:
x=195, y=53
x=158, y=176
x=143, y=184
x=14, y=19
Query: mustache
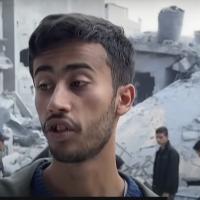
x=62, y=117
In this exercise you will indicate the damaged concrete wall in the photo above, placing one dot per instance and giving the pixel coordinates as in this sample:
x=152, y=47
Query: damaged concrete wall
x=156, y=64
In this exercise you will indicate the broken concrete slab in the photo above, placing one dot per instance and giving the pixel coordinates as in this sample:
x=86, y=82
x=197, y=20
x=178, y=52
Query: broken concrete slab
x=182, y=65
x=188, y=135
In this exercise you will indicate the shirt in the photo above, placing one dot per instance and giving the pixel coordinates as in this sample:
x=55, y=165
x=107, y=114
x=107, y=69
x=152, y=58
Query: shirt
x=39, y=188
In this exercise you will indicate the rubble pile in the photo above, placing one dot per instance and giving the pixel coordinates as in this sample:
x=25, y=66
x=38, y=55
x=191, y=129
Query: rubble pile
x=25, y=138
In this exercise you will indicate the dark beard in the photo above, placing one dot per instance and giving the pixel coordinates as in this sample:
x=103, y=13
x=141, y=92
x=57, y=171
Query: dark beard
x=98, y=135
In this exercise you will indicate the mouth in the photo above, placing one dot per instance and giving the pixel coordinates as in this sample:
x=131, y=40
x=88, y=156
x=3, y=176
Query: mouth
x=59, y=129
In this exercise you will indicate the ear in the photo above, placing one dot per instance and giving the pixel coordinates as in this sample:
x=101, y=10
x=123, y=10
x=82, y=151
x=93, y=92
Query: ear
x=126, y=96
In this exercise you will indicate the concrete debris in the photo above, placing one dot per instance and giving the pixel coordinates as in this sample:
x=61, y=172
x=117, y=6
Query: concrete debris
x=188, y=135
x=32, y=124
x=182, y=65
x=25, y=138
x=28, y=140
x=17, y=128
x=19, y=104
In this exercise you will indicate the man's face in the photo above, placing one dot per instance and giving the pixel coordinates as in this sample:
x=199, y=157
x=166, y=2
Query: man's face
x=161, y=138
x=74, y=100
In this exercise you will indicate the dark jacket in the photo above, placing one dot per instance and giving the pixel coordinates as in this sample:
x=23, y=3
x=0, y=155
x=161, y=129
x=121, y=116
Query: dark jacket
x=166, y=170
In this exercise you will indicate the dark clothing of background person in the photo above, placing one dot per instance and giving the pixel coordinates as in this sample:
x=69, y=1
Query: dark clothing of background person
x=166, y=171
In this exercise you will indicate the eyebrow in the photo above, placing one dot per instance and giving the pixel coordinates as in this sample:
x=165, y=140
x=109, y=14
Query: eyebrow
x=43, y=68
x=67, y=68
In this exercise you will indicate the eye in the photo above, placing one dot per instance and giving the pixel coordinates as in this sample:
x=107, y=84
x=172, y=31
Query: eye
x=78, y=84
x=45, y=86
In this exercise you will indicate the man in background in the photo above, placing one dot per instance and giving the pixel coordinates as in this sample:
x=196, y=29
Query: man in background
x=166, y=166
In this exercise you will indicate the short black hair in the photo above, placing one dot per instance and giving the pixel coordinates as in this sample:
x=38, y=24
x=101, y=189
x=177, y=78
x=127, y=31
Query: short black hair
x=196, y=146
x=162, y=129
x=58, y=28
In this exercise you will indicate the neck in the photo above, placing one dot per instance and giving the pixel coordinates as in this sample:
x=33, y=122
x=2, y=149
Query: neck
x=96, y=177
x=164, y=145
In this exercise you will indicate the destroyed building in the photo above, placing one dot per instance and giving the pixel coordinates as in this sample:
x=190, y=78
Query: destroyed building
x=163, y=56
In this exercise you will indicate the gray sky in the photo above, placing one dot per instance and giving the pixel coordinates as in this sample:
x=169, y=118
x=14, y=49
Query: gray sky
x=148, y=11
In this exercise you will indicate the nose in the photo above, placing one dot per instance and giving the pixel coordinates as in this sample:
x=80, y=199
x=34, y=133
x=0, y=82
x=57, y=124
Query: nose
x=60, y=100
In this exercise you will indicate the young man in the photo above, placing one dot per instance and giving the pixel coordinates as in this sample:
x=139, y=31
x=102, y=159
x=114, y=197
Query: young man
x=82, y=68
x=166, y=166
x=196, y=147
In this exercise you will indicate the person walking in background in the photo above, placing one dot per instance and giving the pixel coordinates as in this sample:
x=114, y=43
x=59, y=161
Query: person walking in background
x=166, y=166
